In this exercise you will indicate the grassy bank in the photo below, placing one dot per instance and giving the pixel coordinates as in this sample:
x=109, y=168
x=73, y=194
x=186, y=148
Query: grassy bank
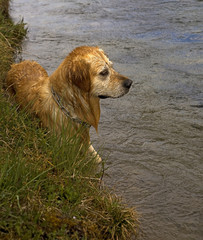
x=48, y=190
x=11, y=36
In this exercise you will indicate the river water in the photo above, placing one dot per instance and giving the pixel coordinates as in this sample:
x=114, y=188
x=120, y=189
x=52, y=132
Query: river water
x=153, y=136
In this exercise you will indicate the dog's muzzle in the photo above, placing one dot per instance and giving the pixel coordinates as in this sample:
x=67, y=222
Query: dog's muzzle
x=127, y=83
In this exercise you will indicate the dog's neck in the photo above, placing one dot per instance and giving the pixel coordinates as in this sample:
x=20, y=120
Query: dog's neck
x=58, y=101
x=79, y=104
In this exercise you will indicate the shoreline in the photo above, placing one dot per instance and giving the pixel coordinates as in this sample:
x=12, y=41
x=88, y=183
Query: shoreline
x=46, y=191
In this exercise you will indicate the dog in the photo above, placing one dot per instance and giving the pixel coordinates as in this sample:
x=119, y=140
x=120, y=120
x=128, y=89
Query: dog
x=71, y=94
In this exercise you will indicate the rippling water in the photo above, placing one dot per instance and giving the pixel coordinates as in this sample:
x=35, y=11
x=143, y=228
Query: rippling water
x=153, y=136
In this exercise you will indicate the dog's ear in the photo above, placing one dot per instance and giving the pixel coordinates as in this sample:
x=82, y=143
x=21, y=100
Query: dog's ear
x=80, y=74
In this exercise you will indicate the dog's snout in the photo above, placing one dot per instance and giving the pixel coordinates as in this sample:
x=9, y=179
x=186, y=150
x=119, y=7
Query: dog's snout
x=127, y=83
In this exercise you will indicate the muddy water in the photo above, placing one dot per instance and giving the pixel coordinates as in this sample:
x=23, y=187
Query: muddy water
x=153, y=136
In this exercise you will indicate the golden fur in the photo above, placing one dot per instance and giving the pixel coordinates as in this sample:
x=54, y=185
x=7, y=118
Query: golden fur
x=85, y=76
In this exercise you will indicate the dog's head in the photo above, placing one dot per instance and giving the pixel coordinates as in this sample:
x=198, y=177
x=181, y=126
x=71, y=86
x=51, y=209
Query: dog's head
x=92, y=72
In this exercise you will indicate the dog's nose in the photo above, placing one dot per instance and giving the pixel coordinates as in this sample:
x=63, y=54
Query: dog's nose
x=127, y=83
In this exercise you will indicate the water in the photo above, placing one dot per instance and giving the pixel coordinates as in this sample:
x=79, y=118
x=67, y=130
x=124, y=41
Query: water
x=152, y=136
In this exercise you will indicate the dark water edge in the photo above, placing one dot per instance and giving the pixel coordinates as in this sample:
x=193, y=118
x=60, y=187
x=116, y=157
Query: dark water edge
x=153, y=136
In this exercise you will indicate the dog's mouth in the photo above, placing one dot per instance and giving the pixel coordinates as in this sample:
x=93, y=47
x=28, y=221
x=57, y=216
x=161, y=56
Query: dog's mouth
x=103, y=96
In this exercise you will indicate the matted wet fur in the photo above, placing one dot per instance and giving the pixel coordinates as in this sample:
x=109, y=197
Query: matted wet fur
x=71, y=93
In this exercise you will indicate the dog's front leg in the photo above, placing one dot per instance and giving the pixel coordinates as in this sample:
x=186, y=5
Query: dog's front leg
x=95, y=154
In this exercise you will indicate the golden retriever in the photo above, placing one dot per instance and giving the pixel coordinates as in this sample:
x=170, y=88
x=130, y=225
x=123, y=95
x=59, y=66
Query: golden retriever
x=72, y=93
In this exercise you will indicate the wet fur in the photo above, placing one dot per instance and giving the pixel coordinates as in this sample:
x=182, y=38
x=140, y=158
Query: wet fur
x=79, y=83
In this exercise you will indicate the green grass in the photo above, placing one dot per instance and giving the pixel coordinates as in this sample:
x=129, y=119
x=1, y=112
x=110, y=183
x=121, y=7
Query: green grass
x=11, y=36
x=48, y=188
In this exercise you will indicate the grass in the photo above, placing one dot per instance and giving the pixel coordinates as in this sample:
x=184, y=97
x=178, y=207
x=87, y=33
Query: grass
x=48, y=190
x=11, y=36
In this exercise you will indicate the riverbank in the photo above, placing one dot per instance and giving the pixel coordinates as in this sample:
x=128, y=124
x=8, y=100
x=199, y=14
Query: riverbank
x=46, y=190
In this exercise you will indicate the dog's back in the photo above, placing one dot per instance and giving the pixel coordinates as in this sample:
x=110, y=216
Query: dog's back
x=25, y=80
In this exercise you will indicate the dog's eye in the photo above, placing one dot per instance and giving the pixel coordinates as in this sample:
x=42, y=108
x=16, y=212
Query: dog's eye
x=105, y=72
